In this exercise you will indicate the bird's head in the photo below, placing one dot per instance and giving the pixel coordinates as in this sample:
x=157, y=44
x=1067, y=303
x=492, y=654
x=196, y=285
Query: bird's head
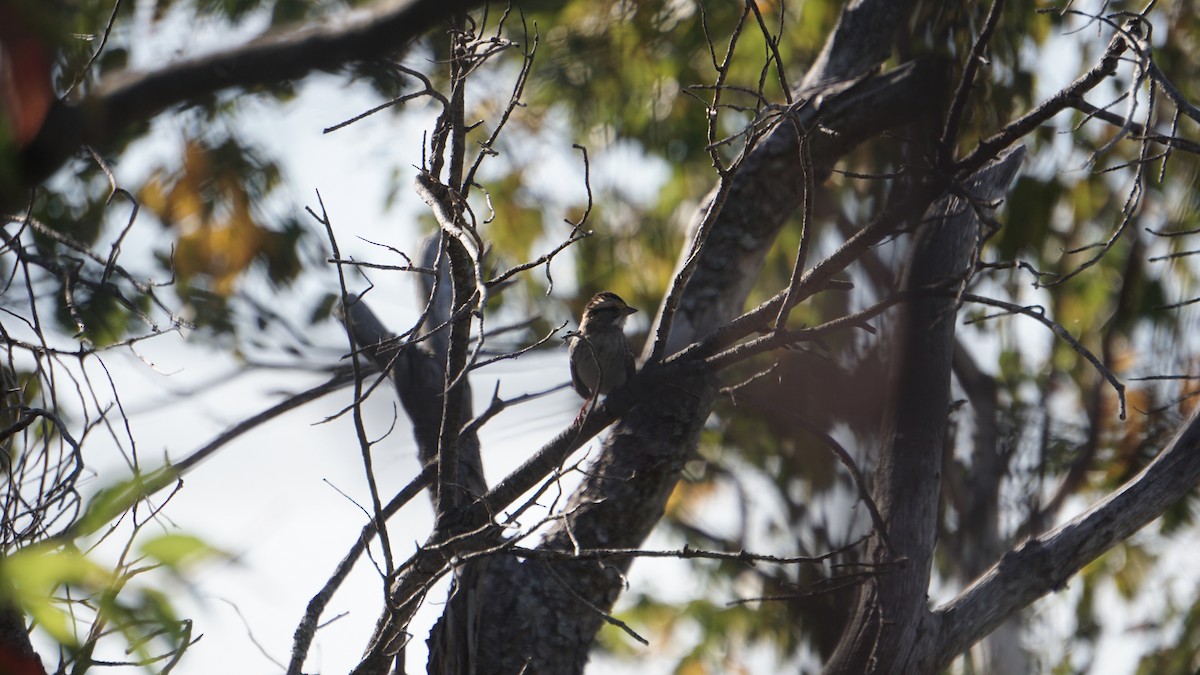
x=605, y=309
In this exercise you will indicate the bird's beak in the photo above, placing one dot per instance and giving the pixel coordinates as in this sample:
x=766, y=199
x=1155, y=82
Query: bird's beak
x=630, y=310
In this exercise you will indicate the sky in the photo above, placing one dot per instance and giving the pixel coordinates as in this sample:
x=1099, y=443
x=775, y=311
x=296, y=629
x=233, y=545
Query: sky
x=284, y=501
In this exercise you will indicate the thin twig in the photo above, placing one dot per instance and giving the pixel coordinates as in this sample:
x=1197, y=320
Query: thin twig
x=806, y=226
x=946, y=144
x=359, y=425
x=1023, y=126
x=1038, y=314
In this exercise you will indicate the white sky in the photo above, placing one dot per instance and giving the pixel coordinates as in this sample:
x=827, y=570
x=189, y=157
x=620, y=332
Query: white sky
x=269, y=498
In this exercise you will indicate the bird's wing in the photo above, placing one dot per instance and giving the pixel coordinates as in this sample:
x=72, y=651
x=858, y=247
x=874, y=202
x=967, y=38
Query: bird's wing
x=579, y=385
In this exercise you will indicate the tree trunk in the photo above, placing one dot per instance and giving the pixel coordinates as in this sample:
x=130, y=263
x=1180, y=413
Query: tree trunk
x=890, y=618
x=543, y=617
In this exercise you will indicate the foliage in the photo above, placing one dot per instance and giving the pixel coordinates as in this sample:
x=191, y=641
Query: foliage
x=62, y=590
x=1093, y=235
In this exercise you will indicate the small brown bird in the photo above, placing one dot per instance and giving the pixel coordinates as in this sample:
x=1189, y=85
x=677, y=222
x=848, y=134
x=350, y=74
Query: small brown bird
x=601, y=358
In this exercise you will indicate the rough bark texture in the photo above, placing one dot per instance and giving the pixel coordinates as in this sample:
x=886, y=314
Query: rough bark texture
x=16, y=652
x=768, y=188
x=549, y=624
x=418, y=373
x=863, y=39
x=1043, y=565
x=650, y=445
x=545, y=622
x=888, y=623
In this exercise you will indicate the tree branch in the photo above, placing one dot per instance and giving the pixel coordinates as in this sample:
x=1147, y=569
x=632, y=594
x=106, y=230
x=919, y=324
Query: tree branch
x=1044, y=564
x=883, y=636
x=131, y=98
x=769, y=187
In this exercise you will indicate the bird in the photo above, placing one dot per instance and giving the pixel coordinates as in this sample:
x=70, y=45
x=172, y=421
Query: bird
x=600, y=355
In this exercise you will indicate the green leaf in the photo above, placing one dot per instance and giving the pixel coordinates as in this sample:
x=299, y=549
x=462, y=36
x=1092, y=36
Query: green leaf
x=33, y=577
x=110, y=502
x=179, y=550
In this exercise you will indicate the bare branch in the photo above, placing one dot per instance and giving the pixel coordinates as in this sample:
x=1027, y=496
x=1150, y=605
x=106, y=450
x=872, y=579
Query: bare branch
x=1043, y=565
x=1039, y=315
x=946, y=145
x=1021, y=127
x=359, y=426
